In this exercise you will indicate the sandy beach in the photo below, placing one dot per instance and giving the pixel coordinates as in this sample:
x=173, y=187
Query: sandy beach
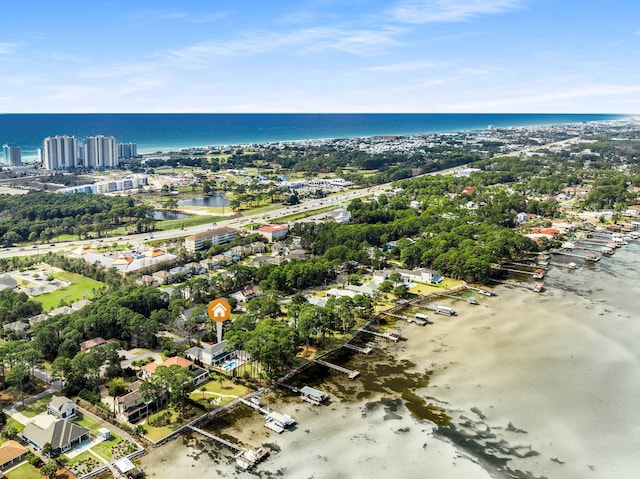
x=528, y=385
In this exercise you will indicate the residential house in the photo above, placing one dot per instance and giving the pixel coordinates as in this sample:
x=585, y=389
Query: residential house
x=246, y=294
x=258, y=247
x=38, y=318
x=216, y=236
x=61, y=310
x=163, y=277
x=212, y=355
x=132, y=407
x=243, y=251
x=422, y=275
x=91, y=343
x=222, y=260
x=12, y=453
x=62, y=435
x=61, y=407
x=210, y=264
x=198, y=375
x=195, y=268
x=18, y=329
x=80, y=304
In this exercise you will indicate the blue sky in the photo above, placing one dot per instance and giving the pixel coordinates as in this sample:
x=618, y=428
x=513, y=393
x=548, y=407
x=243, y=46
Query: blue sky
x=532, y=56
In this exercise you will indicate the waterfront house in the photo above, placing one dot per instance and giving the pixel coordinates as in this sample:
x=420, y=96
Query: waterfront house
x=198, y=375
x=132, y=407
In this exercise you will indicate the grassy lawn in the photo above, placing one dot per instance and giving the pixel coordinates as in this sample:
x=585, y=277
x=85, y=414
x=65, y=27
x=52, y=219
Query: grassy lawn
x=37, y=407
x=226, y=392
x=174, y=422
x=103, y=449
x=25, y=471
x=81, y=287
x=18, y=426
x=88, y=422
x=193, y=220
x=84, y=455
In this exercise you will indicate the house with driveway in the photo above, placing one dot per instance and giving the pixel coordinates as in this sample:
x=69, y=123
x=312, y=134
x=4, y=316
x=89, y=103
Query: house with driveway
x=61, y=407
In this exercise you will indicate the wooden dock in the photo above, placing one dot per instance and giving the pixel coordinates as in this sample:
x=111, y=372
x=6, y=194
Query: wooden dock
x=391, y=335
x=253, y=405
x=351, y=373
x=366, y=350
x=235, y=448
x=397, y=316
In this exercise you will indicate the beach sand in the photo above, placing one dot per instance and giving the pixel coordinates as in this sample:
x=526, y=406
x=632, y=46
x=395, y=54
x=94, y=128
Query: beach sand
x=535, y=385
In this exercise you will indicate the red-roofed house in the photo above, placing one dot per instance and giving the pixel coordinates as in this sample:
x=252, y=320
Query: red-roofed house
x=198, y=374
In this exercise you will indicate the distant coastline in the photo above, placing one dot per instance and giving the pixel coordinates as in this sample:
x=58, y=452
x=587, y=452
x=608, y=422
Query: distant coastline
x=170, y=132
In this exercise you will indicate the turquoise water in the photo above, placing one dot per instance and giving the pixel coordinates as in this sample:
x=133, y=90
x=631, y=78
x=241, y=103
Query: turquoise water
x=154, y=132
x=229, y=365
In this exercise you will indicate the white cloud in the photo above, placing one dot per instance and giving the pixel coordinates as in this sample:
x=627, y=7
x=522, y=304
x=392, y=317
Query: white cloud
x=403, y=67
x=304, y=41
x=431, y=11
x=534, y=100
x=8, y=48
x=168, y=16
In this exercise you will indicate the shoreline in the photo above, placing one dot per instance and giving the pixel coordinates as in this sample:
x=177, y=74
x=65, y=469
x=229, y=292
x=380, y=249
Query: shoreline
x=516, y=374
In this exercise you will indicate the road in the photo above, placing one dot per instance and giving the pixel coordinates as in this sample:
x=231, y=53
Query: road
x=308, y=205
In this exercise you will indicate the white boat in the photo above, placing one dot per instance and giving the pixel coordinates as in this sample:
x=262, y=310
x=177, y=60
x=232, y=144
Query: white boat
x=274, y=426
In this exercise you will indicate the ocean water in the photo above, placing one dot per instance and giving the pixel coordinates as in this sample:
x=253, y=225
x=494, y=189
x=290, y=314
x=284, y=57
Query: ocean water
x=163, y=132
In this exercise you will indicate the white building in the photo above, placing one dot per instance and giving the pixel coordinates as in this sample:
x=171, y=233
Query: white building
x=60, y=152
x=127, y=150
x=217, y=236
x=100, y=152
x=12, y=155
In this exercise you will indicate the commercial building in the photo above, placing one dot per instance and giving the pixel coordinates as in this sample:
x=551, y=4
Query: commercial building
x=273, y=232
x=60, y=152
x=217, y=236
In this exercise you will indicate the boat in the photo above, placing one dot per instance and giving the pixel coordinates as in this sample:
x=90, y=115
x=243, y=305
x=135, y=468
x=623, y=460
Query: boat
x=592, y=257
x=538, y=274
x=247, y=459
x=537, y=287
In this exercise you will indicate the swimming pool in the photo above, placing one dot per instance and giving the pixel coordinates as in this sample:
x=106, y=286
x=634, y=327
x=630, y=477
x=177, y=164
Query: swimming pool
x=229, y=365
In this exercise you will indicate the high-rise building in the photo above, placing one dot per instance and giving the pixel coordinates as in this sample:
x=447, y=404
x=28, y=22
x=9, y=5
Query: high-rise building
x=12, y=154
x=60, y=152
x=100, y=152
x=127, y=150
